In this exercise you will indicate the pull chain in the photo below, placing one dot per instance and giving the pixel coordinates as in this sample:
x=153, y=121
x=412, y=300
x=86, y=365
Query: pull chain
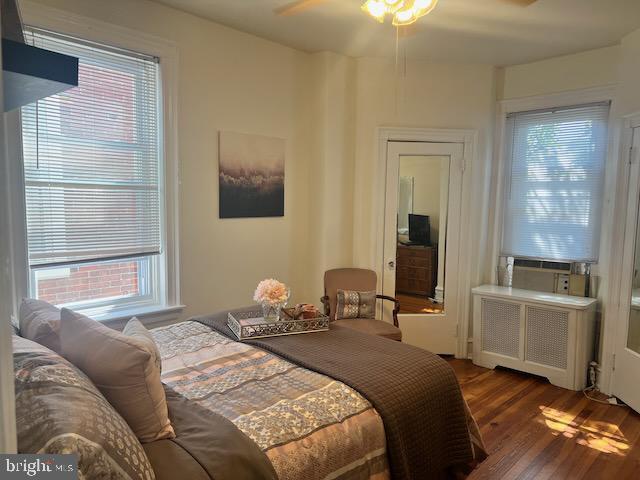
x=37, y=135
x=400, y=77
x=395, y=77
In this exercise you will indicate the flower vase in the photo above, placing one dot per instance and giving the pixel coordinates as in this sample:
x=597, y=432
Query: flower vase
x=271, y=312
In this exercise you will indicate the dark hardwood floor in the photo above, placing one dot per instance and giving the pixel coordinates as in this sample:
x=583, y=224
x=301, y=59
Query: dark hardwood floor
x=534, y=430
x=417, y=304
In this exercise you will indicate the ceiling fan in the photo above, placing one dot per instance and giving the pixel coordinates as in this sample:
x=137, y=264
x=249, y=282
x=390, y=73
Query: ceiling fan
x=299, y=6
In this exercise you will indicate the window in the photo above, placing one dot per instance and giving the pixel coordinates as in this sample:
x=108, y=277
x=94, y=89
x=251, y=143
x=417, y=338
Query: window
x=555, y=181
x=93, y=172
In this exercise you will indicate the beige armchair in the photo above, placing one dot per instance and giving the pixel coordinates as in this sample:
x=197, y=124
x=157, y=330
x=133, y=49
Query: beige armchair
x=363, y=281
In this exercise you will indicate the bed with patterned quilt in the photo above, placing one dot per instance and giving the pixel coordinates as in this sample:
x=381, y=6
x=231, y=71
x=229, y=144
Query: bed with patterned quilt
x=306, y=424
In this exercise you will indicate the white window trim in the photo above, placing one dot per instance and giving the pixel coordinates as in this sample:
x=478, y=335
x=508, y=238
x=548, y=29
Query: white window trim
x=53, y=19
x=504, y=108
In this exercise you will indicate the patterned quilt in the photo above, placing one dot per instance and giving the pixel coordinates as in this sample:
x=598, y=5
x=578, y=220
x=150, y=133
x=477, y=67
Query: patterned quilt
x=309, y=425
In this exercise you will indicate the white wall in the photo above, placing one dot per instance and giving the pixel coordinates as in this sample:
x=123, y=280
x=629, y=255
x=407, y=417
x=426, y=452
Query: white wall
x=593, y=68
x=629, y=74
x=330, y=183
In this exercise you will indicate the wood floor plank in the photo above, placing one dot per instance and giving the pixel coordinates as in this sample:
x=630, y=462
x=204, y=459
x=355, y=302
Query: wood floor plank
x=534, y=430
x=417, y=304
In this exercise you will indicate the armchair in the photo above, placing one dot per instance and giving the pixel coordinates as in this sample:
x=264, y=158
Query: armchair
x=359, y=280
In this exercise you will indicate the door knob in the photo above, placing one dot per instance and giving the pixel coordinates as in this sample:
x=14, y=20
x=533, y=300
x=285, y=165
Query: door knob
x=392, y=264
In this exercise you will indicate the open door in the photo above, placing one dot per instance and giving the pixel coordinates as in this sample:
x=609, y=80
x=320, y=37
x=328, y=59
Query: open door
x=627, y=349
x=421, y=241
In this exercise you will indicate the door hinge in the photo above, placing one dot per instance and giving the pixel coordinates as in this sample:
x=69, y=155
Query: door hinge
x=463, y=164
x=613, y=363
x=634, y=155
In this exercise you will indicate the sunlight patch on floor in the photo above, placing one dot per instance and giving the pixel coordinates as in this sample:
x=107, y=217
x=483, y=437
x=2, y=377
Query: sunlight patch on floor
x=602, y=436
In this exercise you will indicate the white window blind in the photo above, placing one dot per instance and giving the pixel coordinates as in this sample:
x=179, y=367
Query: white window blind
x=555, y=182
x=92, y=159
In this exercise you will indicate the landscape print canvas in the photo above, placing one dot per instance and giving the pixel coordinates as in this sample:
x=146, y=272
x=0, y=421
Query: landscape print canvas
x=251, y=176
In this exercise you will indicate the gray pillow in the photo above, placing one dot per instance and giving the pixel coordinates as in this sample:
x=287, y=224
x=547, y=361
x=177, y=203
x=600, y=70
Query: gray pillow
x=40, y=322
x=59, y=410
x=352, y=304
x=125, y=366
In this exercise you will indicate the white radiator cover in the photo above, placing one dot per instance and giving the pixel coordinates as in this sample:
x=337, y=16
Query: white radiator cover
x=539, y=333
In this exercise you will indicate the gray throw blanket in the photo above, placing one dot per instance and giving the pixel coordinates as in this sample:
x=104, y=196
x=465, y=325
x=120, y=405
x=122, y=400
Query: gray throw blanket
x=207, y=446
x=415, y=392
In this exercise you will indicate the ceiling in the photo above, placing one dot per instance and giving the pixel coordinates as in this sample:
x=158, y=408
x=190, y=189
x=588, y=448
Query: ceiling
x=494, y=32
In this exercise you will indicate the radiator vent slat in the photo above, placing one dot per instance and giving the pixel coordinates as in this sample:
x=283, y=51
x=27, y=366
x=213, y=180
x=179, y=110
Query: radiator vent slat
x=547, y=332
x=500, y=327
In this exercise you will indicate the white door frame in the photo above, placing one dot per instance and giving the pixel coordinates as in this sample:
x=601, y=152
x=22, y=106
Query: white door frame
x=469, y=138
x=613, y=309
x=8, y=439
x=436, y=332
x=616, y=328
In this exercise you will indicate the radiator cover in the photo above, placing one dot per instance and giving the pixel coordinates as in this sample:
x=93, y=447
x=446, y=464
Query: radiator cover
x=545, y=334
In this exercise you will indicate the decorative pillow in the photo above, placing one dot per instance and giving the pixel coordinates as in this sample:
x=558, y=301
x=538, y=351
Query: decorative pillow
x=135, y=329
x=352, y=304
x=40, y=322
x=124, y=367
x=59, y=410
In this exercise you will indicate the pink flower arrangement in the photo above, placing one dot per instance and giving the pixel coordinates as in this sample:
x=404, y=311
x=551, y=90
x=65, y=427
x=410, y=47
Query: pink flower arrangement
x=271, y=291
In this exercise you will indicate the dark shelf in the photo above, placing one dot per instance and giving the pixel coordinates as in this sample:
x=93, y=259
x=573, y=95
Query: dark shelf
x=32, y=73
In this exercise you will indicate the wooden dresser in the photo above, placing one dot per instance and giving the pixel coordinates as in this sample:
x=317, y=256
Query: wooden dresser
x=416, y=270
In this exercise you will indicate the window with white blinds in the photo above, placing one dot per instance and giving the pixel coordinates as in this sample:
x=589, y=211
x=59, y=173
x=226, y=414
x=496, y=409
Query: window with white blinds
x=555, y=177
x=92, y=159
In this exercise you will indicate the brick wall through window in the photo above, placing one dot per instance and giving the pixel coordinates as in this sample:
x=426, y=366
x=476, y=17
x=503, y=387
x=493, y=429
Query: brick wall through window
x=89, y=282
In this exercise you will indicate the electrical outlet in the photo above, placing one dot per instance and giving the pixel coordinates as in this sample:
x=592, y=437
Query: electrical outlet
x=563, y=284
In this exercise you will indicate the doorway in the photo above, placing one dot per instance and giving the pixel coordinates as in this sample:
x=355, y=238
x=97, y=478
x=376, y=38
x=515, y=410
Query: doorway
x=421, y=240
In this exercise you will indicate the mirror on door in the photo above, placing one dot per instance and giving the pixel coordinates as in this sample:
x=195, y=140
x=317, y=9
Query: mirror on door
x=633, y=333
x=423, y=197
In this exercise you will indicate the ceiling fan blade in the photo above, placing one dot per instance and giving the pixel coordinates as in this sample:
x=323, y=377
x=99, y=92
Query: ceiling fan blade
x=521, y=3
x=296, y=7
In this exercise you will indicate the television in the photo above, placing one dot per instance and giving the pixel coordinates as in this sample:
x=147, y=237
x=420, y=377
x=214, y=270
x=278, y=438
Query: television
x=419, y=229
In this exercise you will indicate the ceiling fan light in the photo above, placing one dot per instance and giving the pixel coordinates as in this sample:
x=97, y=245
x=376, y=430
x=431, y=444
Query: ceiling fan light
x=404, y=12
x=376, y=9
x=404, y=17
x=392, y=6
x=422, y=4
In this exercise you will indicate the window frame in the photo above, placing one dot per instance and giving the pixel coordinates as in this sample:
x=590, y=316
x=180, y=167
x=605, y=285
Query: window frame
x=167, y=271
x=502, y=163
x=107, y=307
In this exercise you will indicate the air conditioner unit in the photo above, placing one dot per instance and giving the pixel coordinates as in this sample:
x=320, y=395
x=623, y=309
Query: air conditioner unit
x=565, y=278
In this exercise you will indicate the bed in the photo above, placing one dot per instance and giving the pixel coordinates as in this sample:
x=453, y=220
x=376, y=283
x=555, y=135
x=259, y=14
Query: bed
x=328, y=405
